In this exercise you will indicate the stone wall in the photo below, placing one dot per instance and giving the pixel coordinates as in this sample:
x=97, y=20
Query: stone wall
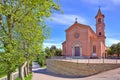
x=14, y=76
x=74, y=69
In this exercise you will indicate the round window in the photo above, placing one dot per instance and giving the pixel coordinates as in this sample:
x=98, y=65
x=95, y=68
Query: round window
x=76, y=35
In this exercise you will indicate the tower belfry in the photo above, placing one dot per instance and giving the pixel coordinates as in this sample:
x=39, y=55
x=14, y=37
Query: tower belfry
x=100, y=26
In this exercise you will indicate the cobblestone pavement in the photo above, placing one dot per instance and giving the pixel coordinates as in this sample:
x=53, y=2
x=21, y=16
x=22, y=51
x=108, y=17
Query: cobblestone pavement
x=43, y=74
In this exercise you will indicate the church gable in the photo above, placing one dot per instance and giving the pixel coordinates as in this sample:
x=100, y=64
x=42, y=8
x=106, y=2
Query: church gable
x=76, y=26
x=77, y=32
x=80, y=28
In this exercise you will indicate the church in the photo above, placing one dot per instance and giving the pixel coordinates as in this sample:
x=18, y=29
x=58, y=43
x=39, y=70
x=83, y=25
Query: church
x=82, y=41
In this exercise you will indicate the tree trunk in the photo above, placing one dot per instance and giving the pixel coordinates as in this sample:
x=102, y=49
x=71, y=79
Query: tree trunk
x=30, y=68
x=21, y=73
x=25, y=71
x=27, y=66
x=9, y=75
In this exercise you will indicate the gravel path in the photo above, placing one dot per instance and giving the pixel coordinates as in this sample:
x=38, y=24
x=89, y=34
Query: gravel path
x=43, y=74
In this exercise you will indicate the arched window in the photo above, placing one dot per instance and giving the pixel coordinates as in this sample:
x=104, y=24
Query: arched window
x=99, y=20
x=65, y=49
x=99, y=33
x=94, y=49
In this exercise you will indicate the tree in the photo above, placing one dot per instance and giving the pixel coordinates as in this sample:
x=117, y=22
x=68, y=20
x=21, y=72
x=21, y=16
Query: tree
x=109, y=52
x=53, y=50
x=41, y=58
x=118, y=49
x=9, y=58
x=58, y=52
x=23, y=30
x=114, y=49
x=47, y=51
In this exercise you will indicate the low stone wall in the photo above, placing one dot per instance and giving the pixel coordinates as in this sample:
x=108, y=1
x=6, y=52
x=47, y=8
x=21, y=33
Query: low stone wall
x=74, y=69
x=14, y=76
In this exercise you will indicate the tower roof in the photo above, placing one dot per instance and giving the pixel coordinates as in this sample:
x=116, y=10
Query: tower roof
x=99, y=13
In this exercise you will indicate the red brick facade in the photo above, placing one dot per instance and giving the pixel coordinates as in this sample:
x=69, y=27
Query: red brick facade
x=82, y=41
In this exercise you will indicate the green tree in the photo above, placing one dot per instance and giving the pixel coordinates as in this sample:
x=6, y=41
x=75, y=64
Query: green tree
x=53, y=49
x=41, y=58
x=9, y=58
x=114, y=49
x=58, y=52
x=47, y=51
x=118, y=49
x=109, y=52
x=23, y=30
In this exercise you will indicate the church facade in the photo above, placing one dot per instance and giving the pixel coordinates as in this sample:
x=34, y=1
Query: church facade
x=82, y=41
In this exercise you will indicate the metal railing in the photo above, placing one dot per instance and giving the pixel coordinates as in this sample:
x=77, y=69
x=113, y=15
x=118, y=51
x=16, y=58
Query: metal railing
x=86, y=60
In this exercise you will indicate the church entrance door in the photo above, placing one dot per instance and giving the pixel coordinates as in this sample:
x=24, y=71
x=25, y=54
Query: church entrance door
x=77, y=51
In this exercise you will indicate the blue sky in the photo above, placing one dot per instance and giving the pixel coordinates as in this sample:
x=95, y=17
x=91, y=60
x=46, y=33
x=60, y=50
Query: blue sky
x=85, y=11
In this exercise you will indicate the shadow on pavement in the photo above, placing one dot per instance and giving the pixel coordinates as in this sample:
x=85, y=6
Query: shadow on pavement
x=44, y=71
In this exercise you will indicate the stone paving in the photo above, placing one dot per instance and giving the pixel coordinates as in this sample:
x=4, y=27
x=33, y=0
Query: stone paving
x=43, y=74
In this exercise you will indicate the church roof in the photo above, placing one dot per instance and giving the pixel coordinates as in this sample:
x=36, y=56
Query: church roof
x=99, y=13
x=76, y=24
x=81, y=25
x=64, y=42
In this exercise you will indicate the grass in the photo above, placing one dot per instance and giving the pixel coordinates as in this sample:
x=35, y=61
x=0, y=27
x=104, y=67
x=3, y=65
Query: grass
x=26, y=78
x=44, y=66
x=29, y=77
x=17, y=79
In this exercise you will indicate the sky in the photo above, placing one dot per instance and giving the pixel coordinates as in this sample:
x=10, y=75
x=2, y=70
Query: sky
x=85, y=12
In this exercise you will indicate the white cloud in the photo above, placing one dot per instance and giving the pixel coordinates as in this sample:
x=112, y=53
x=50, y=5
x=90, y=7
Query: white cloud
x=116, y=2
x=47, y=44
x=104, y=4
x=110, y=41
x=92, y=1
x=51, y=40
x=67, y=19
x=99, y=2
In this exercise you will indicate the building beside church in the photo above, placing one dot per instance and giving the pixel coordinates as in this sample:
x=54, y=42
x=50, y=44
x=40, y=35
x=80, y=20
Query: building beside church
x=82, y=41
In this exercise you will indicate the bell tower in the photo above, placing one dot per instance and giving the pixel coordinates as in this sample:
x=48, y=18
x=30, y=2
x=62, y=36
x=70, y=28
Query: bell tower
x=100, y=25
